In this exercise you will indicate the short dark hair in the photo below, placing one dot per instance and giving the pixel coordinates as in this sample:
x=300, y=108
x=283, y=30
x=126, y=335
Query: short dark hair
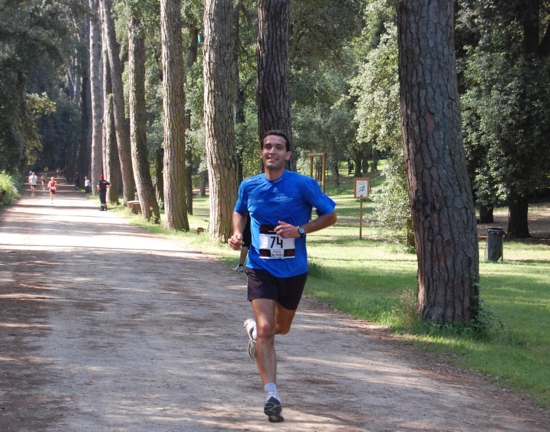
x=278, y=133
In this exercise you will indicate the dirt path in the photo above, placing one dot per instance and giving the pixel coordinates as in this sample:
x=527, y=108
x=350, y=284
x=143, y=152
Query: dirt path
x=106, y=328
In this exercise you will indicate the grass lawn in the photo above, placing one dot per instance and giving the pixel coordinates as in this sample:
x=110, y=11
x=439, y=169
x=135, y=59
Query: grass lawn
x=376, y=281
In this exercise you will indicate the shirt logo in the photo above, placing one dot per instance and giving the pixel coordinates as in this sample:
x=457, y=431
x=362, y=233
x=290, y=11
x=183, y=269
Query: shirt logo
x=282, y=198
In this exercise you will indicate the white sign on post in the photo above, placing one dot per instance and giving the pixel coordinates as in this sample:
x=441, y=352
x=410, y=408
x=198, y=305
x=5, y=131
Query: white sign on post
x=362, y=188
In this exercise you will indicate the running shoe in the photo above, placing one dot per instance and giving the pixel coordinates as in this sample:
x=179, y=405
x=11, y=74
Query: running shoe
x=273, y=408
x=250, y=330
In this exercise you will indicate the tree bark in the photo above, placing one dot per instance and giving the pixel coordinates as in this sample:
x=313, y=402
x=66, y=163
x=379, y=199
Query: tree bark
x=121, y=129
x=240, y=95
x=219, y=102
x=111, y=164
x=374, y=166
x=175, y=205
x=188, y=167
x=138, y=121
x=159, y=164
x=192, y=55
x=96, y=82
x=84, y=153
x=518, y=226
x=83, y=161
x=485, y=214
x=441, y=201
x=273, y=91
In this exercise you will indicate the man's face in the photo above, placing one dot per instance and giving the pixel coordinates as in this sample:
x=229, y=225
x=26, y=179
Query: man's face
x=273, y=152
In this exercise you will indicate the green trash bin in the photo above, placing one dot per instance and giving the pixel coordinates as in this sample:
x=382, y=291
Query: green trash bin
x=494, y=248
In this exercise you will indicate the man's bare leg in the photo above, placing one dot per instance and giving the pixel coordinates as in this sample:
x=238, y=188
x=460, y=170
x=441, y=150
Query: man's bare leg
x=271, y=319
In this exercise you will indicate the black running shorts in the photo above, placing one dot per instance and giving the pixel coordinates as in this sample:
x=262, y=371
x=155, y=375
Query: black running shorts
x=285, y=291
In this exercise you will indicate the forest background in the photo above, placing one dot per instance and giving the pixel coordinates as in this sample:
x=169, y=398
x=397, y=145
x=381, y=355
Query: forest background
x=92, y=87
x=343, y=73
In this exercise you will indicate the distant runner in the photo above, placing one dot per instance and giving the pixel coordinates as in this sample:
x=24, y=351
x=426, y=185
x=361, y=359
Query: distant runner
x=33, y=179
x=52, y=186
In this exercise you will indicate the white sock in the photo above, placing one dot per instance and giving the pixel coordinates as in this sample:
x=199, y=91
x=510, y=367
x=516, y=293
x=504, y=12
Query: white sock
x=271, y=390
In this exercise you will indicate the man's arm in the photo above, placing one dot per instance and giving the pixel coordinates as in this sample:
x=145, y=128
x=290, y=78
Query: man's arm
x=239, y=223
x=286, y=230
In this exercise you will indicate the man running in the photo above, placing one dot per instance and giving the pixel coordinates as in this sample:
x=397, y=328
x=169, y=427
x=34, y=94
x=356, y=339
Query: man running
x=102, y=186
x=280, y=204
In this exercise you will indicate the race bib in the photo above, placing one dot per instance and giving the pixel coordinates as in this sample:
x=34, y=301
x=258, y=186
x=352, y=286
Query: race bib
x=274, y=247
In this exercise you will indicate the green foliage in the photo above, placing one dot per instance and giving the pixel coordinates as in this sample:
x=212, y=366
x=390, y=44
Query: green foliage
x=393, y=211
x=36, y=39
x=8, y=184
x=40, y=105
x=59, y=130
x=322, y=63
x=506, y=102
x=317, y=270
x=509, y=338
x=376, y=88
x=485, y=326
x=320, y=29
x=378, y=116
x=506, y=118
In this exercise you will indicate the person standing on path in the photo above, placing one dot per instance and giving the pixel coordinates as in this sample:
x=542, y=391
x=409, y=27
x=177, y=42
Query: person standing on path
x=87, y=185
x=52, y=185
x=102, y=186
x=33, y=179
x=280, y=205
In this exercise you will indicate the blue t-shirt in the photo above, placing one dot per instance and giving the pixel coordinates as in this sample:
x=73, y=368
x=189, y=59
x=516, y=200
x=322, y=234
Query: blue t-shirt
x=290, y=199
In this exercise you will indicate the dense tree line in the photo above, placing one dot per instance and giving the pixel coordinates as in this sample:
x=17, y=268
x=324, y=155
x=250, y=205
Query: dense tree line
x=164, y=97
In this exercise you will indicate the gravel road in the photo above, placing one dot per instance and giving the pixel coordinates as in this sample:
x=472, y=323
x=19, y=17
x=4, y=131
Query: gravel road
x=104, y=327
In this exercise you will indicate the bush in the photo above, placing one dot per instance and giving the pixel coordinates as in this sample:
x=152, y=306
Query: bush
x=8, y=184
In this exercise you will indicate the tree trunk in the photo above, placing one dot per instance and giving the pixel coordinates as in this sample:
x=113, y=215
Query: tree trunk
x=374, y=166
x=188, y=168
x=518, y=207
x=123, y=142
x=111, y=164
x=219, y=103
x=442, y=206
x=175, y=206
x=240, y=98
x=240, y=119
x=336, y=173
x=273, y=92
x=485, y=214
x=204, y=183
x=358, y=169
x=138, y=121
x=192, y=55
x=85, y=152
x=96, y=82
x=159, y=163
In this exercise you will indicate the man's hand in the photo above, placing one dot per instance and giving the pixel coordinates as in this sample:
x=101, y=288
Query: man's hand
x=285, y=230
x=236, y=241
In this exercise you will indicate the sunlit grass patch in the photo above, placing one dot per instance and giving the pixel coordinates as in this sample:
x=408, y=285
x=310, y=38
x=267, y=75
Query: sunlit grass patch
x=377, y=281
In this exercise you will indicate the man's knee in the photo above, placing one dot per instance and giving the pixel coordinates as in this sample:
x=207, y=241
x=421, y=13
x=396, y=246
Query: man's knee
x=265, y=329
